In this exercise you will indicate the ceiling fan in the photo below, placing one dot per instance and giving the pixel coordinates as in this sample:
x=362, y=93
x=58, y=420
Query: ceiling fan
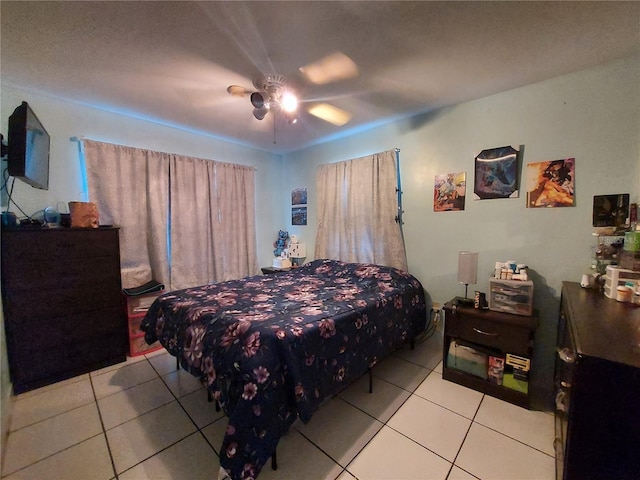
x=273, y=93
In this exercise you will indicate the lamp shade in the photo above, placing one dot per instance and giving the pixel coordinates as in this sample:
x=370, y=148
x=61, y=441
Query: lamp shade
x=467, y=267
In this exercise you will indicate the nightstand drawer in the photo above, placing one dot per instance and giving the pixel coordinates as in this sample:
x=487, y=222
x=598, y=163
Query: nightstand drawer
x=505, y=337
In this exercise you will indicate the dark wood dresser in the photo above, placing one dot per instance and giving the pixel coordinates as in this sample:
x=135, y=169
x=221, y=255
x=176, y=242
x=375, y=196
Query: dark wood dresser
x=63, y=307
x=597, y=381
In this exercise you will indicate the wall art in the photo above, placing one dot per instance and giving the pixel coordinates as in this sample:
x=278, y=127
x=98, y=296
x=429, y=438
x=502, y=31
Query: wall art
x=496, y=173
x=610, y=210
x=299, y=206
x=449, y=192
x=551, y=183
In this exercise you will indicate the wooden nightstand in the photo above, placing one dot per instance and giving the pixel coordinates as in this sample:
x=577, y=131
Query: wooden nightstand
x=272, y=270
x=490, y=334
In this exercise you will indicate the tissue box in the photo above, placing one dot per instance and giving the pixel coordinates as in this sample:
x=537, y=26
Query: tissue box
x=280, y=262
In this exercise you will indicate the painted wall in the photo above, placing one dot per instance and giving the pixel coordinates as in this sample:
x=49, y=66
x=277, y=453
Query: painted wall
x=593, y=115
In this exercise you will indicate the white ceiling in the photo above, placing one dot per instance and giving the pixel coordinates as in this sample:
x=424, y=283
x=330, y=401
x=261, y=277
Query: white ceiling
x=171, y=62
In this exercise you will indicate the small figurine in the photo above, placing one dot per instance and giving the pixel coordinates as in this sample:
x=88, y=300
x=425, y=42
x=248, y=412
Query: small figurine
x=281, y=243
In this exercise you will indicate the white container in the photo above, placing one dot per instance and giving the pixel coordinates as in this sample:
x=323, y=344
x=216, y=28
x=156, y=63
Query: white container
x=624, y=294
x=616, y=277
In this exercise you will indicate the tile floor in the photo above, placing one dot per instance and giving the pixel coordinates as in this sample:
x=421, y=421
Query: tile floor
x=143, y=419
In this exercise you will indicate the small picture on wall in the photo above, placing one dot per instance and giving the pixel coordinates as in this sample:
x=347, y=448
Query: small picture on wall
x=299, y=196
x=449, y=192
x=299, y=206
x=551, y=184
x=496, y=171
x=299, y=215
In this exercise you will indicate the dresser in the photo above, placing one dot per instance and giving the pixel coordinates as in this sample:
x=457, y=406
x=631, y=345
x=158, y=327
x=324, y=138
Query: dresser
x=63, y=305
x=597, y=382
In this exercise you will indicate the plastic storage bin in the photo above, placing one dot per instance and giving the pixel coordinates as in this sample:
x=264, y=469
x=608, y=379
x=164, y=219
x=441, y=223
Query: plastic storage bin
x=616, y=276
x=138, y=346
x=511, y=296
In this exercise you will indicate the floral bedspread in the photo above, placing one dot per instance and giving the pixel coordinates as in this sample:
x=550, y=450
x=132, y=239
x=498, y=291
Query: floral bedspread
x=271, y=348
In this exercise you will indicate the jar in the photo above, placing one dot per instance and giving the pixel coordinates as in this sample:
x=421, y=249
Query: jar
x=624, y=294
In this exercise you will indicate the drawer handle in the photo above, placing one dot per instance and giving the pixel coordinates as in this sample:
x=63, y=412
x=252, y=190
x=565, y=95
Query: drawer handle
x=489, y=334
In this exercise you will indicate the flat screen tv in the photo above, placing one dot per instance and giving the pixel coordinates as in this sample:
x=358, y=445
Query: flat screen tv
x=28, y=148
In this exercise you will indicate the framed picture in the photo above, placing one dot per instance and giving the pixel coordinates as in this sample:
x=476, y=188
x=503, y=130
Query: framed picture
x=299, y=196
x=496, y=173
x=299, y=215
x=551, y=184
x=299, y=206
x=610, y=210
x=449, y=191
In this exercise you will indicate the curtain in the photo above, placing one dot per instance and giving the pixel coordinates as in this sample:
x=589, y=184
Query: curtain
x=130, y=189
x=213, y=234
x=357, y=207
x=185, y=224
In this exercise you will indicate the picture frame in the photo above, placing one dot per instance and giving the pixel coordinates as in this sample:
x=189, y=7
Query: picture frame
x=449, y=192
x=299, y=206
x=610, y=210
x=551, y=184
x=496, y=173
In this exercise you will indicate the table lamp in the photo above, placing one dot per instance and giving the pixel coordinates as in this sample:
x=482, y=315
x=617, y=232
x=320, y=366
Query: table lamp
x=467, y=272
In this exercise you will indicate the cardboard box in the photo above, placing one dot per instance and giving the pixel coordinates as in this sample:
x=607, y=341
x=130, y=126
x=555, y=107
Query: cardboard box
x=138, y=346
x=496, y=369
x=516, y=373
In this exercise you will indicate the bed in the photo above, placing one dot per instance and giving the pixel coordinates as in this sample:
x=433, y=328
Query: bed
x=271, y=348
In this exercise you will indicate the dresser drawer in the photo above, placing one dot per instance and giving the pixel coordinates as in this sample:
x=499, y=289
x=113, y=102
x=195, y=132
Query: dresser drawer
x=63, y=245
x=502, y=336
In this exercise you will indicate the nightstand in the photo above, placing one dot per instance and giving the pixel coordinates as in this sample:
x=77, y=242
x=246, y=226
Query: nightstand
x=273, y=270
x=475, y=339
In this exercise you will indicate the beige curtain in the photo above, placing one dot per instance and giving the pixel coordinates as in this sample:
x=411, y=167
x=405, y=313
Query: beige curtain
x=213, y=234
x=130, y=188
x=357, y=207
x=184, y=221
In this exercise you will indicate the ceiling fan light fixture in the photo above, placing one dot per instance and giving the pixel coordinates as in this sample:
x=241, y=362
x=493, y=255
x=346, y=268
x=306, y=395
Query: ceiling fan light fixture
x=289, y=102
x=260, y=112
x=330, y=114
x=257, y=100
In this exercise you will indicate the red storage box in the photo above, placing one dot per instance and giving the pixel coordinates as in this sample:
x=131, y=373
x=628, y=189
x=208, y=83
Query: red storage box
x=138, y=346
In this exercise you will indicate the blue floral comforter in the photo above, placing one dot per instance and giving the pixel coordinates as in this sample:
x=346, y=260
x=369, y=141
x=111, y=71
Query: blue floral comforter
x=271, y=348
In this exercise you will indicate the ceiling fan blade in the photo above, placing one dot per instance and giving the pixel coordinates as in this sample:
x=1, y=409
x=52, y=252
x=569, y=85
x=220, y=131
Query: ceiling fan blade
x=329, y=113
x=238, y=90
x=332, y=68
